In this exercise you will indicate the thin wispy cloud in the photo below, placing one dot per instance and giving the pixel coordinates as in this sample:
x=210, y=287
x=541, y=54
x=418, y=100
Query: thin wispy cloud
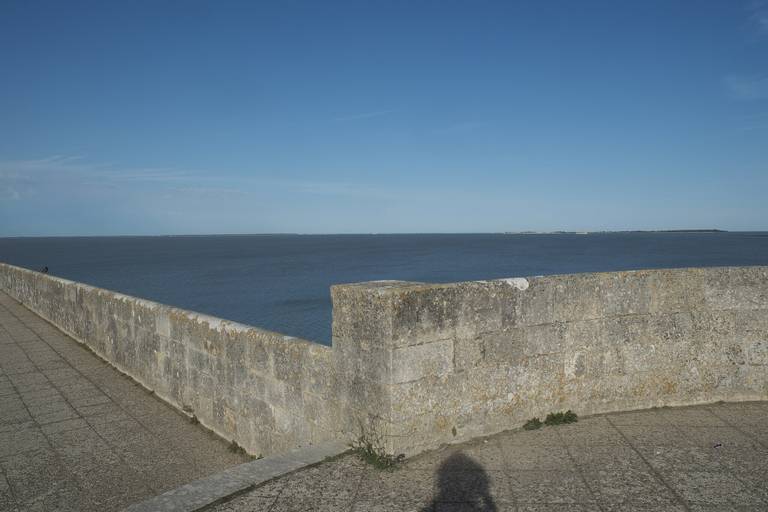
x=457, y=128
x=334, y=189
x=758, y=115
x=753, y=121
x=211, y=192
x=747, y=88
x=364, y=115
x=20, y=179
x=75, y=176
x=77, y=168
x=78, y=165
x=9, y=193
x=758, y=16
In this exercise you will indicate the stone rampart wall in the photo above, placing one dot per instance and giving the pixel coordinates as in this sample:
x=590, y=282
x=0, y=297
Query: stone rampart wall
x=268, y=392
x=475, y=358
x=418, y=365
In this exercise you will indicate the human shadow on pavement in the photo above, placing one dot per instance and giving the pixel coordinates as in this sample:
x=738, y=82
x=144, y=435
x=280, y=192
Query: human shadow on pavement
x=463, y=482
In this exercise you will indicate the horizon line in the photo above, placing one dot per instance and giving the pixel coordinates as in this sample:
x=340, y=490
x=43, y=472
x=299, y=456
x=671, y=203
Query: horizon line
x=394, y=233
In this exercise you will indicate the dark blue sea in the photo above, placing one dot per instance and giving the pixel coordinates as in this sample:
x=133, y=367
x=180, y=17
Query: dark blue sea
x=281, y=282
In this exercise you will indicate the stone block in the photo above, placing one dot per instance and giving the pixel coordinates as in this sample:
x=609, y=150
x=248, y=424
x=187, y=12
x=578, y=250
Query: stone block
x=577, y=297
x=535, y=304
x=575, y=364
x=316, y=376
x=417, y=361
x=676, y=290
x=512, y=346
x=199, y=361
x=757, y=353
x=672, y=328
x=366, y=362
x=257, y=351
x=287, y=359
x=426, y=313
x=479, y=307
x=741, y=288
x=468, y=352
x=163, y=323
x=363, y=312
x=143, y=314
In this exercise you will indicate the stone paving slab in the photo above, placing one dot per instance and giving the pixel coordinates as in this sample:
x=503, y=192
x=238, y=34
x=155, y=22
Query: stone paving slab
x=76, y=434
x=209, y=490
x=711, y=458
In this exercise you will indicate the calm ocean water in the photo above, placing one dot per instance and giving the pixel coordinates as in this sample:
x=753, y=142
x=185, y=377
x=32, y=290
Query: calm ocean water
x=281, y=282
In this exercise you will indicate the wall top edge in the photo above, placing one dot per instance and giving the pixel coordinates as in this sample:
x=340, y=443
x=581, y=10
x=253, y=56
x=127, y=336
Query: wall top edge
x=217, y=323
x=385, y=287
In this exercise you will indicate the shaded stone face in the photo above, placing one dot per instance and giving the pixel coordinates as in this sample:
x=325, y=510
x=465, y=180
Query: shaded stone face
x=417, y=365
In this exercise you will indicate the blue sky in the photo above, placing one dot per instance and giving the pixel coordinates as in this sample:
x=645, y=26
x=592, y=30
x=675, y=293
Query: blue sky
x=426, y=116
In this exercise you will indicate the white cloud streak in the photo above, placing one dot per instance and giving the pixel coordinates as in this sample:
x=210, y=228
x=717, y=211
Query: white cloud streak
x=759, y=16
x=23, y=178
x=747, y=88
x=364, y=115
x=74, y=166
x=460, y=128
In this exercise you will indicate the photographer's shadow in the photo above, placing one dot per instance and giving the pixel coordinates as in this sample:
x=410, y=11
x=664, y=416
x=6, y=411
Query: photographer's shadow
x=464, y=484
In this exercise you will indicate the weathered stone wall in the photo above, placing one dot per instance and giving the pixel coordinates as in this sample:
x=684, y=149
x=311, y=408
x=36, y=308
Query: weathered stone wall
x=468, y=359
x=418, y=365
x=268, y=392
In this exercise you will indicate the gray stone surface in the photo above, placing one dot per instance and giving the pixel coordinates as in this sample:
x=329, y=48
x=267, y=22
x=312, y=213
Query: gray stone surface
x=461, y=360
x=414, y=366
x=702, y=458
x=77, y=435
x=269, y=392
x=214, y=488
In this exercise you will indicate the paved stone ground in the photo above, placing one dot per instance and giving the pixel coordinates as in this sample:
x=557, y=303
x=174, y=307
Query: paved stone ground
x=75, y=434
x=704, y=458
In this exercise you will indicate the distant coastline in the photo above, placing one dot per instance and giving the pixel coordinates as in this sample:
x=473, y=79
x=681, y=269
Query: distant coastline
x=612, y=232
x=266, y=235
